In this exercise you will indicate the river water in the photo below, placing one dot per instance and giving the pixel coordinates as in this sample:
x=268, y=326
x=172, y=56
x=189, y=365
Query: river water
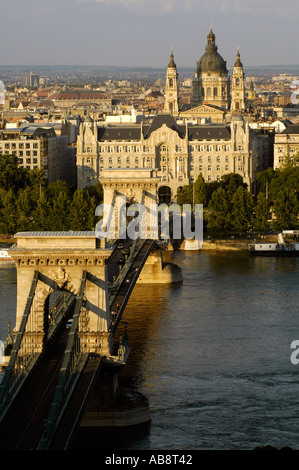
x=212, y=354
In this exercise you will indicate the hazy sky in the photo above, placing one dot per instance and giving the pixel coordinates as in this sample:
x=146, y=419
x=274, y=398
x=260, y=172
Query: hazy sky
x=142, y=32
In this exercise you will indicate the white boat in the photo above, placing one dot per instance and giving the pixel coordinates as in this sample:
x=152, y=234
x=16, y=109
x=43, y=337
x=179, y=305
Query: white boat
x=5, y=256
x=275, y=249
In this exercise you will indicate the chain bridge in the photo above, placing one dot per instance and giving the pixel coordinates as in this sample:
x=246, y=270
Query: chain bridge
x=72, y=290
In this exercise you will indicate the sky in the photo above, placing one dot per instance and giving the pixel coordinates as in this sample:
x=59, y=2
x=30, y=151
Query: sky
x=142, y=32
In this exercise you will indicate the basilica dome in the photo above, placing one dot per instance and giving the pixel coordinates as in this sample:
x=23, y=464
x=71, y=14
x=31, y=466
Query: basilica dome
x=211, y=60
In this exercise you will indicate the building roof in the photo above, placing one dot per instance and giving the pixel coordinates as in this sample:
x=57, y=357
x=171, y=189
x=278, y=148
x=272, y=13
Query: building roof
x=119, y=133
x=158, y=122
x=70, y=233
x=211, y=60
x=76, y=95
x=133, y=132
x=291, y=129
x=209, y=132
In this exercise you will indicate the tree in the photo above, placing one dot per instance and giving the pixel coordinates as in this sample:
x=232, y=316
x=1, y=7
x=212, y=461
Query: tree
x=219, y=213
x=11, y=176
x=286, y=210
x=287, y=178
x=58, y=218
x=261, y=214
x=25, y=206
x=185, y=195
x=242, y=210
x=56, y=187
x=95, y=191
x=231, y=182
x=200, y=191
x=264, y=179
x=82, y=211
x=8, y=216
x=42, y=214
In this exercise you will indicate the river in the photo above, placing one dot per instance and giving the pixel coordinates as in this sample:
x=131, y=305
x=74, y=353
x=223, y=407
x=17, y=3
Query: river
x=212, y=354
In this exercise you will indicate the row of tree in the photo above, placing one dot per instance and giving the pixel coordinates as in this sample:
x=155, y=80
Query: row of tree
x=27, y=203
x=230, y=207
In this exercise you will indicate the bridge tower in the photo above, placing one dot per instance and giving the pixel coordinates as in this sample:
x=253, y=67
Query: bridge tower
x=135, y=186
x=59, y=260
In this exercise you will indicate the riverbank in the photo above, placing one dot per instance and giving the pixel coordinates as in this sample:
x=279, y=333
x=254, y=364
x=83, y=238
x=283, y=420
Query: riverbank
x=7, y=239
x=231, y=244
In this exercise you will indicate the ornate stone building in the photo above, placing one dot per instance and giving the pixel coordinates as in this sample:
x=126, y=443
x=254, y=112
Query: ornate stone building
x=178, y=153
x=238, y=86
x=171, y=104
x=286, y=146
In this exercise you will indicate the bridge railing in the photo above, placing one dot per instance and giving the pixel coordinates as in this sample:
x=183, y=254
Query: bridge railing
x=21, y=363
x=73, y=363
x=150, y=244
x=17, y=366
x=62, y=305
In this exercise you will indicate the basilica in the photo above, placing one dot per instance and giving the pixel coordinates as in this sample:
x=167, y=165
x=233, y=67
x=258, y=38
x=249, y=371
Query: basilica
x=210, y=138
x=214, y=93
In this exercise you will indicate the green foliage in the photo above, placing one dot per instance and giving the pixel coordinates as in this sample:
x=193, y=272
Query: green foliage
x=262, y=214
x=27, y=203
x=11, y=176
x=242, y=210
x=185, y=195
x=286, y=210
x=219, y=215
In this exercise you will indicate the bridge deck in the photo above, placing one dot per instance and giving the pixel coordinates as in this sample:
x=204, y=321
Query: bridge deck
x=23, y=424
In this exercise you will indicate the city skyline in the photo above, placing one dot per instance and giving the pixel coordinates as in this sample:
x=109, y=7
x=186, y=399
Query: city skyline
x=139, y=33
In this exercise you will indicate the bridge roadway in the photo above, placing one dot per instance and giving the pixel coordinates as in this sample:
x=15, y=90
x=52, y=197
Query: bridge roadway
x=23, y=425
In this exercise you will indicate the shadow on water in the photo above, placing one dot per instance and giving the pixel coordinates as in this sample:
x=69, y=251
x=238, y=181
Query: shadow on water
x=122, y=438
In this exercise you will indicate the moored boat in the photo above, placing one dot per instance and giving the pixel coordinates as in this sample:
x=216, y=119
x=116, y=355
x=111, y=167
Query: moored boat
x=275, y=249
x=5, y=256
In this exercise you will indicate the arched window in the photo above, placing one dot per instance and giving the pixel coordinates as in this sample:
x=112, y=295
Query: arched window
x=215, y=91
x=208, y=91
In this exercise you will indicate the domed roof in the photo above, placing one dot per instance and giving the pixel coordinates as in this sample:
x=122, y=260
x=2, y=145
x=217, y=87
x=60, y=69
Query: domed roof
x=172, y=62
x=211, y=60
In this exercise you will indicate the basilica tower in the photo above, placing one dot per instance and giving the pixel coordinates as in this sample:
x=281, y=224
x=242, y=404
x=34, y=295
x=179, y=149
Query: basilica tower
x=238, y=88
x=171, y=104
